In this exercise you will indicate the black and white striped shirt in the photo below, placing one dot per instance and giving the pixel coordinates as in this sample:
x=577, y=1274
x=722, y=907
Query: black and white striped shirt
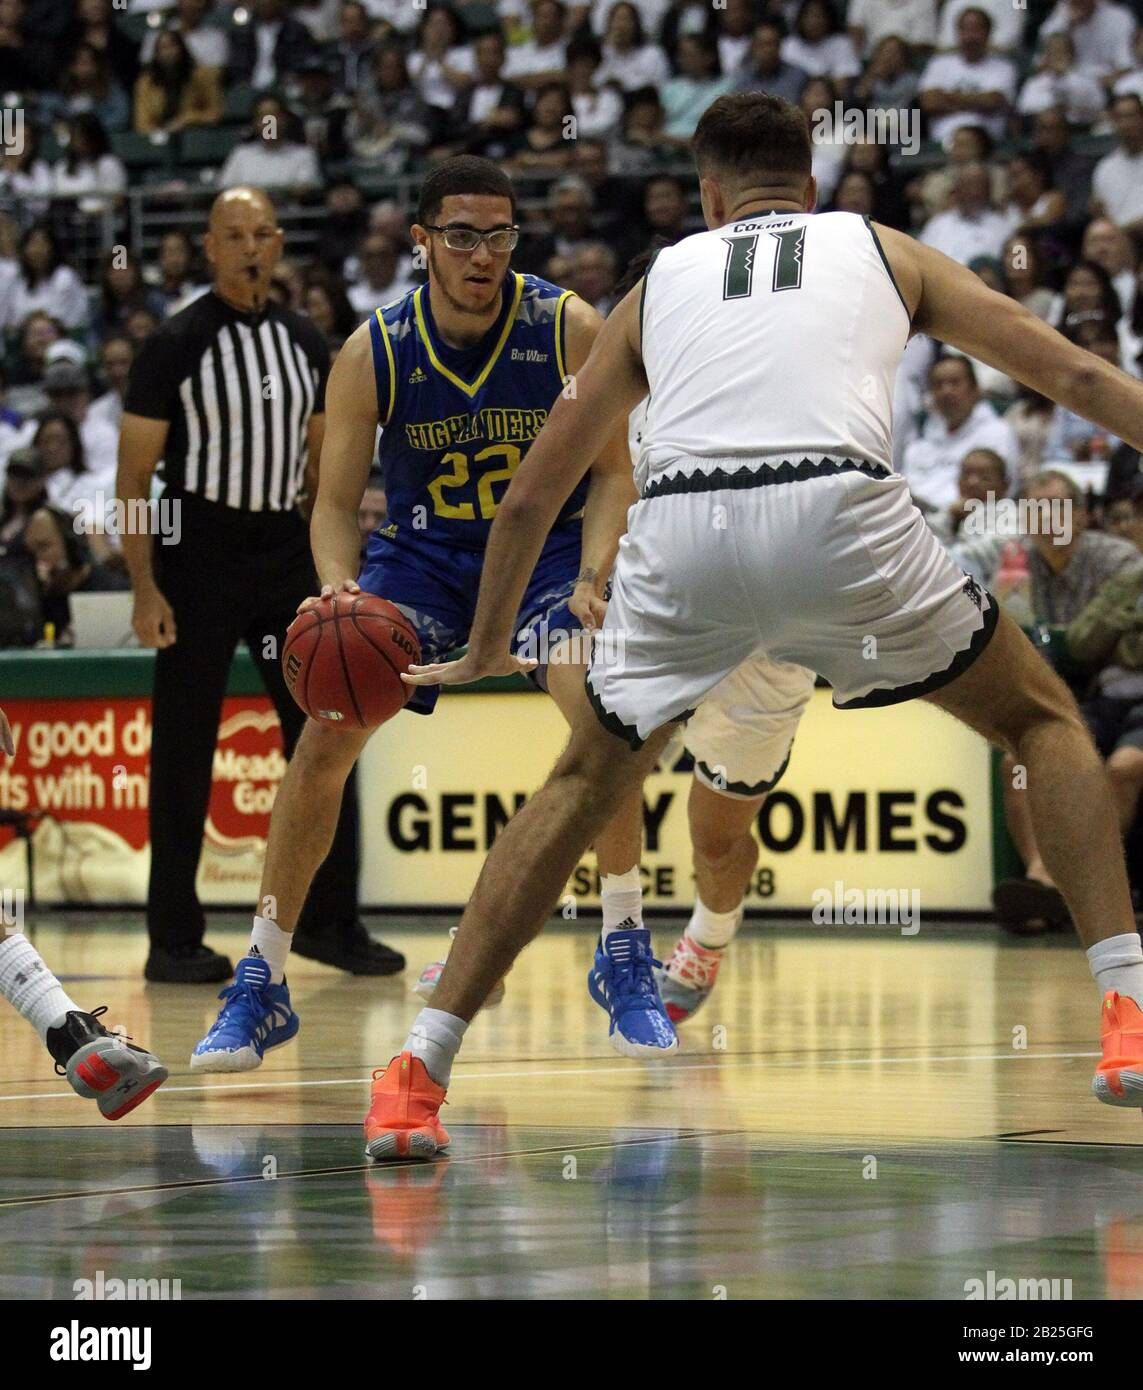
x=238, y=390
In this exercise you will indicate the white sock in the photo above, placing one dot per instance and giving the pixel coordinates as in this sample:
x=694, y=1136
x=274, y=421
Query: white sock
x=712, y=930
x=435, y=1038
x=622, y=898
x=30, y=987
x=269, y=941
x=1117, y=963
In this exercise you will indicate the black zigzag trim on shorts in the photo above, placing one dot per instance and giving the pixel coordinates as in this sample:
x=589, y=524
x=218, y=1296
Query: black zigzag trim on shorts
x=959, y=664
x=763, y=476
x=614, y=725
x=747, y=788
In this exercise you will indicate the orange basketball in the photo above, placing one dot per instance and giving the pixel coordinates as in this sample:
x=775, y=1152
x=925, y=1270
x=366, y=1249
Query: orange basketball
x=343, y=661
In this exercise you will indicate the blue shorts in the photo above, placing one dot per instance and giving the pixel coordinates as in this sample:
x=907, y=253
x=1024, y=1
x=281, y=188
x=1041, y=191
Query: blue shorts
x=436, y=586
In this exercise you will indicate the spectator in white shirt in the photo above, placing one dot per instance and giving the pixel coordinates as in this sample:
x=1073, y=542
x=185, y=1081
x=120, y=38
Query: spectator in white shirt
x=442, y=64
x=829, y=156
x=598, y=110
x=1101, y=32
x=89, y=168
x=24, y=175
x=735, y=28
x=628, y=59
x=1110, y=246
x=270, y=159
x=116, y=354
x=174, y=276
x=818, y=45
x=382, y=277
x=1058, y=82
x=1117, y=184
x=870, y=21
x=1089, y=296
x=1132, y=81
x=71, y=481
x=970, y=86
x=651, y=15
x=1006, y=16
x=971, y=227
x=208, y=44
x=530, y=65
x=960, y=423
x=45, y=283
x=399, y=13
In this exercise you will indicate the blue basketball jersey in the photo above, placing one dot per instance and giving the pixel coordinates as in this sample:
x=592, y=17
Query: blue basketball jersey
x=457, y=422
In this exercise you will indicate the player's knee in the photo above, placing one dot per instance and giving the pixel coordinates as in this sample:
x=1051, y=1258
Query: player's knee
x=325, y=753
x=716, y=847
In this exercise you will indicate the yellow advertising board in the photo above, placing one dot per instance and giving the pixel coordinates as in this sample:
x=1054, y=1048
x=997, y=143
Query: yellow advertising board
x=895, y=798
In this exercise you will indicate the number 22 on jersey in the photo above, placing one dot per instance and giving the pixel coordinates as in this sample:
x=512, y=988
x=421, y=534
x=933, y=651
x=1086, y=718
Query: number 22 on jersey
x=458, y=482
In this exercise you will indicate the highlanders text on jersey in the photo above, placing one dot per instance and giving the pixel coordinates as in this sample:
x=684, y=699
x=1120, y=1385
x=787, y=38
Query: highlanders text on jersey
x=457, y=422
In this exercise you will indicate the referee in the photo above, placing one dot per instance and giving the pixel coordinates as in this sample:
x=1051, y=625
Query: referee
x=230, y=395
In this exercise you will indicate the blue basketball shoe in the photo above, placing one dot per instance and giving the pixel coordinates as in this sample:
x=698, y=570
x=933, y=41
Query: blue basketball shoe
x=622, y=981
x=255, y=1017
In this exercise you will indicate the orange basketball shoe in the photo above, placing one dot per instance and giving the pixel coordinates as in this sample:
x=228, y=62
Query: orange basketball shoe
x=1118, y=1078
x=403, y=1121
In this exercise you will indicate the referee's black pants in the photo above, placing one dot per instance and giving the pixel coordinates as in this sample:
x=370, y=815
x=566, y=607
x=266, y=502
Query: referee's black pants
x=233, y=575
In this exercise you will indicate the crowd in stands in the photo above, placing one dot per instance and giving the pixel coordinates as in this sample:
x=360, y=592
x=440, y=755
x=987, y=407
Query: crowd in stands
x=1018, y=151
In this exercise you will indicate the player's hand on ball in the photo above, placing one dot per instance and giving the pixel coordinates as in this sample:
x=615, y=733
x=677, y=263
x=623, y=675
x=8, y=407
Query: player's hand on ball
x=153, y=619
x=347, y=586
x=586, y=605
x=469, y=667
x=6, y=735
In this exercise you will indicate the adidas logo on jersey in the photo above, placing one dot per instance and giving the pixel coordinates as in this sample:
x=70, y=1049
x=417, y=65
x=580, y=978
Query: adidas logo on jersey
x=417, y=375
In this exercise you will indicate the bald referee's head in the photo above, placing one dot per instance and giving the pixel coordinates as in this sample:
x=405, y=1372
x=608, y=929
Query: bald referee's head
x=753, y=151
x=243, y=244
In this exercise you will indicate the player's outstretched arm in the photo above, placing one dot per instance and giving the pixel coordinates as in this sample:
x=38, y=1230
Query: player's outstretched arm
x=611, y=491
x=6, y=742
x=346, y=453
x=951, y=304
x=609, y=386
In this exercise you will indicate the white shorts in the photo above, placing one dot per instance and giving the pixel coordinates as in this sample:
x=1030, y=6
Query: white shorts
x=831, y=568
x=741, y=734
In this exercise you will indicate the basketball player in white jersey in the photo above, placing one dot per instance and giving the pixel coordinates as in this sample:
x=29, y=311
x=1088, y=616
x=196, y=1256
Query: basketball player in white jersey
x=770, y=520
x=740, y=739
x=99, y=1065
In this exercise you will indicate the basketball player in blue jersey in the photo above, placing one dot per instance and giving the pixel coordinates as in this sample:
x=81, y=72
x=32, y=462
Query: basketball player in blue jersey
x=100, y=1066
x=460, y=374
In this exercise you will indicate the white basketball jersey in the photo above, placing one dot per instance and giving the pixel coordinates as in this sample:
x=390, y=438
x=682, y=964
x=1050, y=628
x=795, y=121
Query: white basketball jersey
x=775, y=337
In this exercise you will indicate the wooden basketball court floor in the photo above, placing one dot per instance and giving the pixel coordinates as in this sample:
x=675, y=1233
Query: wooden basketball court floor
x=853, y=1115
